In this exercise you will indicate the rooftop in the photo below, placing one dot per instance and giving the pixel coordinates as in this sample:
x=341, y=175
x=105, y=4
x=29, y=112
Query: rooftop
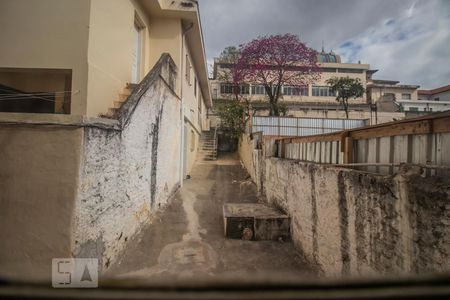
x=330, y=57
x=441, y=89
x=391, y=84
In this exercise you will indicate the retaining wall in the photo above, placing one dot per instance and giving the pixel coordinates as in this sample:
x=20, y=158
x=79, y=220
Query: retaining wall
x=357, y=223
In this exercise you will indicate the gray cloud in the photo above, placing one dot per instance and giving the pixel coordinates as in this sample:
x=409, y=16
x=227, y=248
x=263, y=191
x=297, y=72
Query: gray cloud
x=380, y=27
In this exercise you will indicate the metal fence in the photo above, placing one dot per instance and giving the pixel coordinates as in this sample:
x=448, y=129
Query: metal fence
x=291, y=126
x=381, y=148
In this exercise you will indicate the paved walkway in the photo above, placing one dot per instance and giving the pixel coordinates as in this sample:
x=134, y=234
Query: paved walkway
x=187, y=241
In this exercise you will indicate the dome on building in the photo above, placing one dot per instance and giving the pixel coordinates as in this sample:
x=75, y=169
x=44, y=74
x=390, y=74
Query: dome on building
x=323, y=57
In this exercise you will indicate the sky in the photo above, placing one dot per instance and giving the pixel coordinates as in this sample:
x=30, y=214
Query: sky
x=406, y=40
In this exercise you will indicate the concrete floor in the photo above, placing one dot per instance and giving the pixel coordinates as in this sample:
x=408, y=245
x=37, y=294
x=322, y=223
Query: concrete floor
x=186, y=240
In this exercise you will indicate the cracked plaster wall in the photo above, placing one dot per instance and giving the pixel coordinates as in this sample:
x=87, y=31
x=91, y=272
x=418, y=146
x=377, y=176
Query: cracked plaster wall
x=126, y=175
x=358, y=223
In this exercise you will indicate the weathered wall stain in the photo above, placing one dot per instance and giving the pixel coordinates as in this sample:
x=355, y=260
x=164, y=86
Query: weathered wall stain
x=122, y=182
x=430, y=210
x=314, y=216
x=155, y=139
x=358, y=223
x=343, y=216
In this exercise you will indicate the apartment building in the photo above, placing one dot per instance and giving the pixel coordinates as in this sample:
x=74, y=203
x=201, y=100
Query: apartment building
x=317, y=99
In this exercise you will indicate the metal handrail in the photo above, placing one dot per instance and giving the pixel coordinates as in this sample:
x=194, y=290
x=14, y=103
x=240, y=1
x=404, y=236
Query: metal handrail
x=215, y=142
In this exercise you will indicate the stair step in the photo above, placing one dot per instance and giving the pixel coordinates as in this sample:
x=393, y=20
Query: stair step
x=123, y=97
x=132, y=86
x=118, y=104
x=112, y=111
x=125, y=93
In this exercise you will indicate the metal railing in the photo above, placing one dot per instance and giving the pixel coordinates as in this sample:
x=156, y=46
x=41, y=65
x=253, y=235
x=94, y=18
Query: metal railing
x=423, y=141
x=215, y=143
x=292, y=126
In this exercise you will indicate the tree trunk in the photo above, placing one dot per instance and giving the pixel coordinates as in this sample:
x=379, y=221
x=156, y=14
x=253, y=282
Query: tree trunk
x=273, y=102
x=273, y=108
x=346, y=107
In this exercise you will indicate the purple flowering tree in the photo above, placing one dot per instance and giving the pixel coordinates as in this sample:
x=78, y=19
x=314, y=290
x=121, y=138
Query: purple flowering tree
x=274, y=61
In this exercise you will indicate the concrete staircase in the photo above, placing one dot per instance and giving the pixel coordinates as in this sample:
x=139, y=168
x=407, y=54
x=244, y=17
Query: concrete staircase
x=208, y=146
x=123, y=96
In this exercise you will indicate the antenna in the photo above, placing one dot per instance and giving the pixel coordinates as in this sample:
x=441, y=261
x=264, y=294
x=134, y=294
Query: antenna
x=323, y=47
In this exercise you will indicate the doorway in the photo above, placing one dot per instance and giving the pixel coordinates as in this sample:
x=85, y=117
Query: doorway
x=138, y=30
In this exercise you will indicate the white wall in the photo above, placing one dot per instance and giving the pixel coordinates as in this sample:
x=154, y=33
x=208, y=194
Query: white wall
x=127, y=175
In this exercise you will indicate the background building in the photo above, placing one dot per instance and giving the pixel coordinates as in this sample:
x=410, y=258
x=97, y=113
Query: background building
x=428, y=101
x=317, y=100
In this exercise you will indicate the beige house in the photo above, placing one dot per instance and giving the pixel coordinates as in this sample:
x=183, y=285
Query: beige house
x=80, y=60
x=102, y=103
x=377, y=89
x=315, y=100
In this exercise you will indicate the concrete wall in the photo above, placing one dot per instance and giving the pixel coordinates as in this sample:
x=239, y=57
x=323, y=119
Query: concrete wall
x=35, y=36
x=77, y=186
x=127, y=175
x=245, y=149
x=38, y=182
x=361, y=224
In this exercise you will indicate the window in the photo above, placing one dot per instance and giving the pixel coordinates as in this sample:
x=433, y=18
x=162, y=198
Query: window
x=188, y=70
x=137, y=51
x=436, y=99
x=406, y=96
x=215, y=94
x=226, y=88
x=244, y=89
x=28, y=90
x=322, y=91
x=295, y=90
x=413, y=109
x=352, y=71
x=329, y=70
x=261, y=90
x=258, y=90
x=192, y=146
x=195, y=86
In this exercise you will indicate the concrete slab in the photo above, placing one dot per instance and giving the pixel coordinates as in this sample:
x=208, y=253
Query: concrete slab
x=185, y=240
x=255, y=221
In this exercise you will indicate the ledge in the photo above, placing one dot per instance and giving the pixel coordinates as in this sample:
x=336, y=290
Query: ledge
x=57, y=120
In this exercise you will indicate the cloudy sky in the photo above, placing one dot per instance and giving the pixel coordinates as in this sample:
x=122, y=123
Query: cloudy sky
x=406, y=40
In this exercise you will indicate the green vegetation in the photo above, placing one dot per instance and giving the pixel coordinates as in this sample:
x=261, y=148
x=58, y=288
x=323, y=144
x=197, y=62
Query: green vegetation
x=345, y=89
